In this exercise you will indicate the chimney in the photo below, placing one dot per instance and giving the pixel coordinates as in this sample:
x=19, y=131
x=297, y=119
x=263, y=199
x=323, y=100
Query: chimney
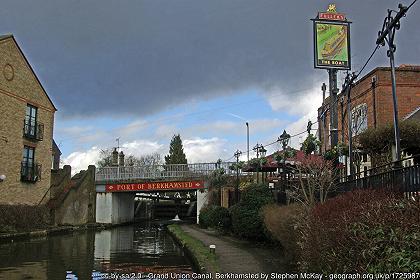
x=121, y=159
x=114, y=157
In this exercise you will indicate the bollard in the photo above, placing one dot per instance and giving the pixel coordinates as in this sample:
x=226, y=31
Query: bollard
x=212, y=249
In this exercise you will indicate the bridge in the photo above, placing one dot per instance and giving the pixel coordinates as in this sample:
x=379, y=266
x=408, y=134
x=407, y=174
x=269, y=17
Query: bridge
x=118, y=186
x=160, y=172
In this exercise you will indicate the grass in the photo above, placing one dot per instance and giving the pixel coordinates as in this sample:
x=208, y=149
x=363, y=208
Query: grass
x=206, y=261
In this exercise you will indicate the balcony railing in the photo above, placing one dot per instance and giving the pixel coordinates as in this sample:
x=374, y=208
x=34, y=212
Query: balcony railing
x=30, y=172
x=33, y=131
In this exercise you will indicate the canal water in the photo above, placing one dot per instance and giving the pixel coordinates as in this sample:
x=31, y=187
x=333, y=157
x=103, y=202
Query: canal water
x=129, y=252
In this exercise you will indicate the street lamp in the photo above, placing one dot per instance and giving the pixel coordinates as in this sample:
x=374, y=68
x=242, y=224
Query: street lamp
x=237, y=155
x=262, y=153
x=284, y=139
x=259, y=148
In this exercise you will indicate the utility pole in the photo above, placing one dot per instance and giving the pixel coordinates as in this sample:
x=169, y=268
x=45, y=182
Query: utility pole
x=347, y=87
x=374, y=100
x=257, y=149
x=237, y=154
x=387, y=34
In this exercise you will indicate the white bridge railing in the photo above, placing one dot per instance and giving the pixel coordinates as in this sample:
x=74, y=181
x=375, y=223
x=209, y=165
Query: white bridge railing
x=160, y=172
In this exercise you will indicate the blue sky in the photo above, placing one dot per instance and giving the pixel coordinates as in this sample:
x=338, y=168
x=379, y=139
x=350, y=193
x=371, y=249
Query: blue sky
x=144, y=70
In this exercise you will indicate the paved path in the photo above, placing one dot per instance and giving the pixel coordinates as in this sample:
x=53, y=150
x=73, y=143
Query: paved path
x=239, y=256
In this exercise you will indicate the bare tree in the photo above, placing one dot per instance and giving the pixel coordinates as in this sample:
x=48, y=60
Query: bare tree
x=146, y=160
x=105, y=159
x=316, y=179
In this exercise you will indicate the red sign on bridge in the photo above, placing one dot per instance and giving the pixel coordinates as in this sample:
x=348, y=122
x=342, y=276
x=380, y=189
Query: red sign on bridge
x=155, y=186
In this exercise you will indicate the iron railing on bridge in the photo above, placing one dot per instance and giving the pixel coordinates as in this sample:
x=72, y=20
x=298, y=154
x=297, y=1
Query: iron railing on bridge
x=394, y=176
x=161, y=172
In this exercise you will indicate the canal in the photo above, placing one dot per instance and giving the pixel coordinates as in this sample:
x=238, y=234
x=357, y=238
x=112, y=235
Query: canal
x=131, y=252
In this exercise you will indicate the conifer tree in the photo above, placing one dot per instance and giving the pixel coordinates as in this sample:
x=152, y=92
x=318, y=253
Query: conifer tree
x=176, y=152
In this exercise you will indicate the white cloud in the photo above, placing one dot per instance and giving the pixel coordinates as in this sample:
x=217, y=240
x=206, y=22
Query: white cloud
x=302, y=103
x=165, y=131
x=82, y=159
x=204, y=150
x=140, y=148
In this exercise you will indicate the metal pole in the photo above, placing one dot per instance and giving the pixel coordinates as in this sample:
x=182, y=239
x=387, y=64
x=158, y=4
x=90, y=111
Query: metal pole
x=374, y=100
x=332, y=75
x=247, y=140
x=324, y=138
x=395, y=101
x=350, y=132
x=387, y=34
x=257, y=148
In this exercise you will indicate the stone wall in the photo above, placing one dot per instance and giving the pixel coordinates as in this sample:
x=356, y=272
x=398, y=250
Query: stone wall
x=74, y=200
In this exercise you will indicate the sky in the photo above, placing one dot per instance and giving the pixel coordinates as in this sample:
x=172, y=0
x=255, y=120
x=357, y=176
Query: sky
x=142, y=71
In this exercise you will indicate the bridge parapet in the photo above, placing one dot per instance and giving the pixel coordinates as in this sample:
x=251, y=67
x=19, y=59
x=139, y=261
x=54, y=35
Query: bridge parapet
x=160, y=172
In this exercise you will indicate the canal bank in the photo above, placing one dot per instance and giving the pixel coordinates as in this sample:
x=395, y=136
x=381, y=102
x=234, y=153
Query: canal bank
x=232, y=255
x=52, y=231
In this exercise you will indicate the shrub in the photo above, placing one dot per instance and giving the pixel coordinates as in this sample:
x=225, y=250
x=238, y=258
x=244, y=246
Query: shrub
x=216, y=217
x=203, y=218
x=284, y=224
x=363, y=231
x=23, y=218
x=247, y=220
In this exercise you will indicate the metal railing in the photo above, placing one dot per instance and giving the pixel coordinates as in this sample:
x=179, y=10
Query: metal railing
x=161, y=172
x=33, y=131
x=401, y=179
x=30, y=172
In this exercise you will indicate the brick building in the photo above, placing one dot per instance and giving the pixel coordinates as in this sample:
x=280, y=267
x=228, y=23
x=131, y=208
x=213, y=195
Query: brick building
x=26, y=129
x=372, y=104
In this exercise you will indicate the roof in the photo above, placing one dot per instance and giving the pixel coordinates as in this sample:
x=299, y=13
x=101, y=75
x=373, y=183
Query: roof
x=415, y=114
x=10, y=36
x=56, y=148
x=272, y=164
x=2, y=37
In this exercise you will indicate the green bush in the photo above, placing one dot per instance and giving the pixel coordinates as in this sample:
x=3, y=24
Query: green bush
x=247, y=220
x=364, y=231
x=215, y=217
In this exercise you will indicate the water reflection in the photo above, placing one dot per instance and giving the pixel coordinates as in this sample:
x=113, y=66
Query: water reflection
x=124, y=251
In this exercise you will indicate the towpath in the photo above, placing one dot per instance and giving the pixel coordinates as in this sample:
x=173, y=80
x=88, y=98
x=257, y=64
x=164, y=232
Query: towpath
x=238, y=256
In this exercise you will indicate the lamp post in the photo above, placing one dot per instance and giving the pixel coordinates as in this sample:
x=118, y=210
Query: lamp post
x=262, y=153
x=247, y=141
x=259, y=149
x=237, y=155
x=284, y=139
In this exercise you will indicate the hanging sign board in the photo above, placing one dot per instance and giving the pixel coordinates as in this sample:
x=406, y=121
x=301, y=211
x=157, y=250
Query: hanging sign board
x=332, y=40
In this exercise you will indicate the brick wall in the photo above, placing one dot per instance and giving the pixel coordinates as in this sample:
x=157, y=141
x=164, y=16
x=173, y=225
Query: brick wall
x=18, y=87
x=408, y=95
